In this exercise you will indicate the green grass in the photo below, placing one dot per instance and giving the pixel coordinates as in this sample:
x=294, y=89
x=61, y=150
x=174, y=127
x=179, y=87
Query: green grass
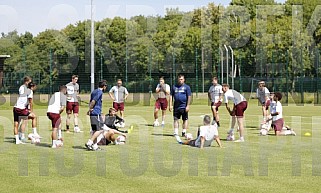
x=154, y=162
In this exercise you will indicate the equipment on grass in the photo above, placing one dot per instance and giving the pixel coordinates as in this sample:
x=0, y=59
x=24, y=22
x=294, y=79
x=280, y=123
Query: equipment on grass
x=230, y=137
x=307, y=134
x=263, y=132
x=188, y=136
x=34, y=138
x=59, y=143
x=120, y=140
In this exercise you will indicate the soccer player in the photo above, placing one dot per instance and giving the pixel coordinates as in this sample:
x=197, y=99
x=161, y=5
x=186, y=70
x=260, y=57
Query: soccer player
x=181, y=94
x=95, y=111
x=163, y=91
x=72, y=103
x=105, y=132
x=277, y=117
x=239, y=106
x=21, y=111
x=262, y=94
x=205, y=135
x=215, y=94
x=56, y=106
x=119, y=94
x=113, y=121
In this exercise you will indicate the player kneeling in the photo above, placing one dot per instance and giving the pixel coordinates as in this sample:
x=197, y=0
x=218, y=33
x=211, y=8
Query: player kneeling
x=205, y=135
x=108, y=134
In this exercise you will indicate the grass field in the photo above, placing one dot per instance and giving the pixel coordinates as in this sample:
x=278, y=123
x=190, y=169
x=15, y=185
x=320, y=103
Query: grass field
x=152, y=161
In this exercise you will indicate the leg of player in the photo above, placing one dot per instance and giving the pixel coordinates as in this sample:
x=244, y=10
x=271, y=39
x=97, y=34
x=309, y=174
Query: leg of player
x=68, y=121
x=92, y=142
x=76, y=129
x=54, y=137
x=33, y=118
x=176, y=126
x=122, y=114
x=241, y=129
x=185, y=127
x=22, y=130
x=156, y=123
x=163, y=117
x=215, y=115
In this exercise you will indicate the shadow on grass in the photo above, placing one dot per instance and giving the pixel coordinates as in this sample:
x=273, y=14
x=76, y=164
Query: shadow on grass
x=79, y=147
x=162, y=134
x=149, y=125
x=47, y=145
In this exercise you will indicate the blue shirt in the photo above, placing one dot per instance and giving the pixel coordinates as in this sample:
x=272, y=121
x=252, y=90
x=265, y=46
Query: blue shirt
x=180, y=94
x=97, y=96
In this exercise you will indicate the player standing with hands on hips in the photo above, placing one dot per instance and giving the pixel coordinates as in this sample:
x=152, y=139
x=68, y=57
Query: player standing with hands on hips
x=72, y=103
x=237, y=113
x=163, y=91
x=182, y=95
x=119, y=94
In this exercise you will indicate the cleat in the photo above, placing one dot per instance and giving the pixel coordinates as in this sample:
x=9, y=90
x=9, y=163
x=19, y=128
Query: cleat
x=239, y=141
x=89, y=147
x=183, y=134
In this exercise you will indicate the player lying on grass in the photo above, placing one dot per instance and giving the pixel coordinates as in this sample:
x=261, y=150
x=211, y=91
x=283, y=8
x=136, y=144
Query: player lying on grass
x=23, y=110
x=277, y=117
x=205, y=136
x=107, y=133
x=56, y=106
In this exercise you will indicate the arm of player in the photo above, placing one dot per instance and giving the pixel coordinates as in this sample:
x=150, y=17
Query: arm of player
x=62, y=108
x=158, y=88
x=170, y=103
x=209, y=96
x=91, y=106
x=30, y=104
x=202, y=142
x=188, y=103
x=218, y=141
x=111, y=96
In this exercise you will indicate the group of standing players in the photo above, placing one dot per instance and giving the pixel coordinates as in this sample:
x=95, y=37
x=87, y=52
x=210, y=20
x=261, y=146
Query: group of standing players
x=177, y=98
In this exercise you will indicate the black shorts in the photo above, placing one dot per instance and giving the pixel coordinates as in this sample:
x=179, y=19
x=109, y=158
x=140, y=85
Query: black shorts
x=178, y=113
x=96, y=122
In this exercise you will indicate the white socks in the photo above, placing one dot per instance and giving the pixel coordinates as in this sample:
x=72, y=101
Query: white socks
x=175, y=131
x=34, y=130
x=184, y=130
x=59, y=134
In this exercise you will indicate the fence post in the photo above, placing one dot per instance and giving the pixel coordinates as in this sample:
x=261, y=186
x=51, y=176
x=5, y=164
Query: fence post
x=196, y=71
x=50, y=71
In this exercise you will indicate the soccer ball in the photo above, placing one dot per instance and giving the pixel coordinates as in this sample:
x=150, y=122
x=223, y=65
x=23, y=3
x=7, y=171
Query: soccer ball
x=33, y=138
x=120, y=140
x=188, y=136
x=59, y=143
x=263, y=132
x=156, y=124
x=230, y=137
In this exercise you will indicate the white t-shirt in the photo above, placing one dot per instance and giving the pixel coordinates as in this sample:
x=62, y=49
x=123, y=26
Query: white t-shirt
x=276, y=107
x=208, y=132
x=56, y=102
x=233, y=95
x=215, y=92
x=119, y=93
x=24, y=94
x=163, y=90
x=72, y=92
x=263, y=94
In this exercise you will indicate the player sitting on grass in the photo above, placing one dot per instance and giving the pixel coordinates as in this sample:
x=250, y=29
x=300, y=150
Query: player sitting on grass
x=113, y=121
x=205, y=135
x=107, y=133
x=277, y=117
